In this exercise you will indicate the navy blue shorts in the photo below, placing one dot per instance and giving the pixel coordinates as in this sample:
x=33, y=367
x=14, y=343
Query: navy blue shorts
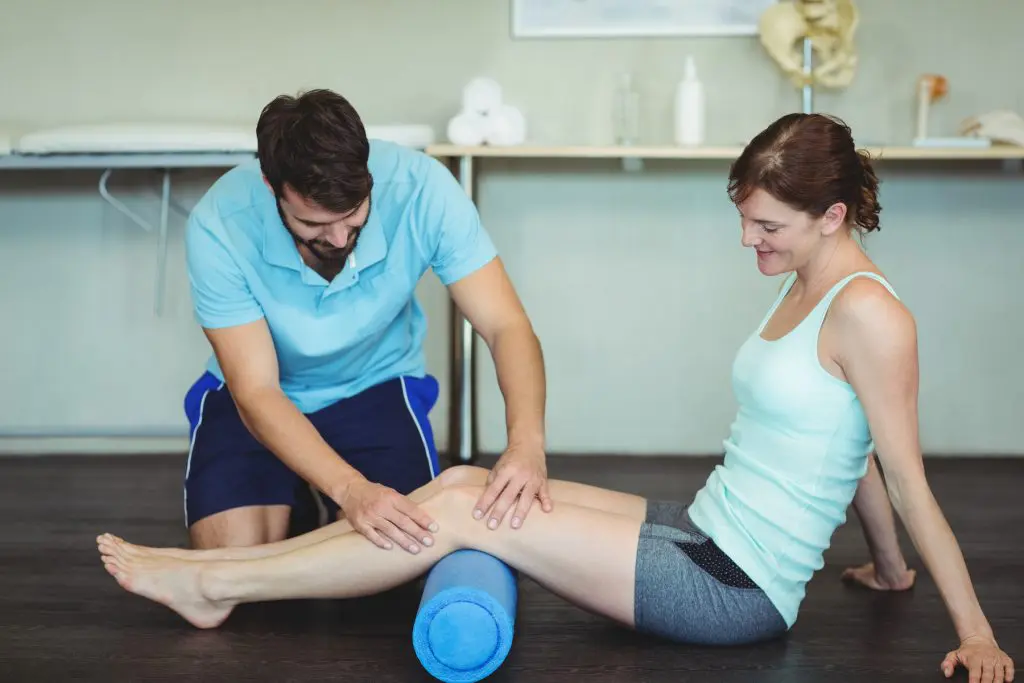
x=383, y=432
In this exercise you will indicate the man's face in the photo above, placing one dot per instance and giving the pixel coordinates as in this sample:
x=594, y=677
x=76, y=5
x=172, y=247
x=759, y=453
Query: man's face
x=330, y=236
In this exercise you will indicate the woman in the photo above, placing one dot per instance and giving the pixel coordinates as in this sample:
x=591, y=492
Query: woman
x=833, y=364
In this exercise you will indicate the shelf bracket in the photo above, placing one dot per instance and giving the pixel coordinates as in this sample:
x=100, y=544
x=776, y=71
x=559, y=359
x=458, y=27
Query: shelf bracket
x=632, y=164
x=161, y=228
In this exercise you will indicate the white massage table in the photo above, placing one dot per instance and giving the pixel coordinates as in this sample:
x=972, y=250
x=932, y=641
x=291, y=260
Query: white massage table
x=162, y=147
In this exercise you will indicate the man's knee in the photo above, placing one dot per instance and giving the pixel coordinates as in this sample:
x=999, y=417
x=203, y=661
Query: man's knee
x=246, y=526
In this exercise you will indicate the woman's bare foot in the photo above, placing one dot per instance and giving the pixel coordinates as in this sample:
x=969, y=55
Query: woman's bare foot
x=176, y=553
x=170, y=581
x=205, y=554
x=876, y=578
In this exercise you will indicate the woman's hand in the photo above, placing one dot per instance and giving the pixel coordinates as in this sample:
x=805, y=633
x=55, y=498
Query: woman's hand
x=984, y=661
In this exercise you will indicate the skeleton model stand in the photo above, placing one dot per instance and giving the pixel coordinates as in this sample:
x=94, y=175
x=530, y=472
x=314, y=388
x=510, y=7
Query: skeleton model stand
x=792, y=32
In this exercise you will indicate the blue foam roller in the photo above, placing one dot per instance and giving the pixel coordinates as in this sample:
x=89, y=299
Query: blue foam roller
x=466, y=618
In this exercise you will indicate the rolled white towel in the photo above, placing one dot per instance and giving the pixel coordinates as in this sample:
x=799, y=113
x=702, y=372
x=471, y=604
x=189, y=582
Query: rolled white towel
x=481, y=96
x=507, y=127
x=467, y=129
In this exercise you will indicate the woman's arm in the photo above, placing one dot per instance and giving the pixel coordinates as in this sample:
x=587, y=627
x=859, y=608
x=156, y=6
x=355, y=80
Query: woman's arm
x=888, y=569
x=878, y=354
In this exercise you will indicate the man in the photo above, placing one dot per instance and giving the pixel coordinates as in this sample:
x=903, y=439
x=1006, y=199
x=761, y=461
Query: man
x=303, y=266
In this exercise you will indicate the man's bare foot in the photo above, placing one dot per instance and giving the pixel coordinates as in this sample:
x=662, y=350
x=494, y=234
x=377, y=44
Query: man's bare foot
x=869, y=576
x=170, y=581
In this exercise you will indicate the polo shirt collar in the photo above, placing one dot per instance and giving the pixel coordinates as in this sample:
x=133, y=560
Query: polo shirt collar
x=279, y=247
x=371, y=248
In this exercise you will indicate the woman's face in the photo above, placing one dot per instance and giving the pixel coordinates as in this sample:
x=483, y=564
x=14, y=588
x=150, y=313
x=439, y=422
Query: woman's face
x=783, y=238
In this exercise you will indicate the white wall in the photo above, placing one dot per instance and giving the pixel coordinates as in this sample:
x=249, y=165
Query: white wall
x=639, y=360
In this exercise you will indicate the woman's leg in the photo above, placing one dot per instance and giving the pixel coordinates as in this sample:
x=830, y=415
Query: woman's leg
x=341, y=526
x=584, y=555
x=569, y=492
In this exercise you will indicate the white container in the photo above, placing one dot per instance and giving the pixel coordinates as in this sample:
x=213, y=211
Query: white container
x=689, y=109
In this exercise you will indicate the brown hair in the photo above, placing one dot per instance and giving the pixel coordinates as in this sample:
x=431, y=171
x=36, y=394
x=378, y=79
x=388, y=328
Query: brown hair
x=809, y=162
x=316, y=144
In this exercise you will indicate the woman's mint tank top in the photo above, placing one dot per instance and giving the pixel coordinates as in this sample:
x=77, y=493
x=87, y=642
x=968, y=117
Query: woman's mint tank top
x=794, y=456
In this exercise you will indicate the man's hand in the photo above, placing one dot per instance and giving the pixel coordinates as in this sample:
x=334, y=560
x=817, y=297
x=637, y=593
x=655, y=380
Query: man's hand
x=520, y=473
x=875, y=578
x=384, y=515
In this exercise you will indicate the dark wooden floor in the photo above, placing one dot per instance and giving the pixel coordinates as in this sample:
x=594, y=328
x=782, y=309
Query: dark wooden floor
x=64, y=619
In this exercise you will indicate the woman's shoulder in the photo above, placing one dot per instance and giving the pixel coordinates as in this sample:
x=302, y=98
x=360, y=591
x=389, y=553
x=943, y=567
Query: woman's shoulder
x=868, y=311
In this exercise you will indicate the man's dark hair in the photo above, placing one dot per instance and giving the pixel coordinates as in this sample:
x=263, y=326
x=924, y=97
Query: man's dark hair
x=316, y=144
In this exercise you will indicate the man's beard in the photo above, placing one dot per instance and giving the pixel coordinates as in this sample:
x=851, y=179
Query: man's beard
x=330, y=256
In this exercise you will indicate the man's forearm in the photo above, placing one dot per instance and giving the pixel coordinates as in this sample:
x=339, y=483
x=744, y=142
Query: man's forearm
x=519, y=364
x=280, y=426
x=872, y=505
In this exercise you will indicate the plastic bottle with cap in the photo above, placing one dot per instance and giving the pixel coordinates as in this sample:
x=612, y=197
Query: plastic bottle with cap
x=690, y=115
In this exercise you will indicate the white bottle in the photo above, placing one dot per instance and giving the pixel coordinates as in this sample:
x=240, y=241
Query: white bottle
x=689, y=123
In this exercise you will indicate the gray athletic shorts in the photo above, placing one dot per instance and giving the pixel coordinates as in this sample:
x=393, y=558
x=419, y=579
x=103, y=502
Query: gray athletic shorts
x=688, y=590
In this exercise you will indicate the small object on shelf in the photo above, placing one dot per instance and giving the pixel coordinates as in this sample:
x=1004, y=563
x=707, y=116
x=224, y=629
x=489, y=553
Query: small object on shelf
x=626, y=114
x=812, y=41
x=690, y=119
x=1001, y=125
x=970, y=142
x=930, y=88
x=485, y=118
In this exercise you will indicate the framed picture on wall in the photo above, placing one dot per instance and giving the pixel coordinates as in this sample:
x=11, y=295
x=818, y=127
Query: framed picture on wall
x=635, y=18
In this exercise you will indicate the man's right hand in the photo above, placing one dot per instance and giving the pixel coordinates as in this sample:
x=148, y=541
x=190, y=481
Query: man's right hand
x=385, y=516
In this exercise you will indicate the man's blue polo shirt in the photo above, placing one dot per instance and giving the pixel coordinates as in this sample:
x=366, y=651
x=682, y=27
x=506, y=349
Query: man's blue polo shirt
x=334, y=339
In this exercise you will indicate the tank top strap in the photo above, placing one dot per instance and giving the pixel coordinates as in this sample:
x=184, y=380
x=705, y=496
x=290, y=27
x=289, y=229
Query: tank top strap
x=783, y=291
x=817, y=316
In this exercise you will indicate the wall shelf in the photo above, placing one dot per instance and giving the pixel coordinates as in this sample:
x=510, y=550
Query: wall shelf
x=895, y=152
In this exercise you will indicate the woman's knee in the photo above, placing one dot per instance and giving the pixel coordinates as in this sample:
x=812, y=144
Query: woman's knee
x=452, y=506
x=463, y=475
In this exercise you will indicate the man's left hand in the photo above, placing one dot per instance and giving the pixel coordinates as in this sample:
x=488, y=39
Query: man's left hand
x=519, y=476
